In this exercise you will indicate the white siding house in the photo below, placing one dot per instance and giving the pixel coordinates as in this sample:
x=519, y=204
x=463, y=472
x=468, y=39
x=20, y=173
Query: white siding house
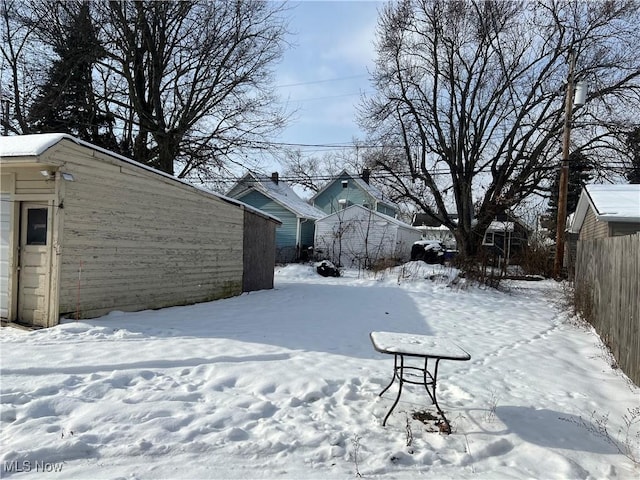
x=86, y=231
x=360, y=237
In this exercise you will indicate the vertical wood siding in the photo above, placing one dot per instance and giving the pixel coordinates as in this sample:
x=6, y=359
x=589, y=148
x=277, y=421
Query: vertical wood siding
x=607, y=292
x=259, y=252
x=133, y=240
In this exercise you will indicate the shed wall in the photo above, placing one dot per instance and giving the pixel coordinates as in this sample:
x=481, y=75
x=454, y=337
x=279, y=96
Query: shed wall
x=405, y=240
x=258, y=252
x=592, y=228
x=133, y=240
x=356, y=237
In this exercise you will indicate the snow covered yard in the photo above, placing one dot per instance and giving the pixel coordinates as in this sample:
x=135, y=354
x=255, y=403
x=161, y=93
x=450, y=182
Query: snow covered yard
x=284, y=384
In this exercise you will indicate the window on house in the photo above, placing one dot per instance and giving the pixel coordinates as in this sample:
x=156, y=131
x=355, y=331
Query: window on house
x=37, y=226
x=488, y=238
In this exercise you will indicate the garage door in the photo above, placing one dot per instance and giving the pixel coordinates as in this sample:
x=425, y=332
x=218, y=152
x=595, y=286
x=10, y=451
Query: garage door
x=5, y=236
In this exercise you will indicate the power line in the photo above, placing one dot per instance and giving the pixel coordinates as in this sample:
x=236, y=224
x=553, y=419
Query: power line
x=313, y=82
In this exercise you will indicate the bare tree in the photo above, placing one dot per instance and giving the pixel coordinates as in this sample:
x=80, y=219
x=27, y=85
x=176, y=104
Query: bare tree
x=469, y=99
x=20, y=72
x=192, y=79
x=314, y=171
x=632, y=173
x=187, y=83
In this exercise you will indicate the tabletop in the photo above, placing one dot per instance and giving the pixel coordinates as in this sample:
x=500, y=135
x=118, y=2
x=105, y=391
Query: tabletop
x=417, y=345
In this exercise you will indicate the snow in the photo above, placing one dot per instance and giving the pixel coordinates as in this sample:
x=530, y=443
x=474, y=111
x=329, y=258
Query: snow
x=37, y=144
x=30, y=145
x=284, y=383
x=497, y=226
x=417, y=345
x=610, y=203
x=615, y=201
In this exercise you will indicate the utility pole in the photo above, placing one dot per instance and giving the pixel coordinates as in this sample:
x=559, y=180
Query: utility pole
x=580, y=93
x=564, y=171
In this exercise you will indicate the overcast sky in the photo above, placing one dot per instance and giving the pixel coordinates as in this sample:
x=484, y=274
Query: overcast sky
x=326, y=69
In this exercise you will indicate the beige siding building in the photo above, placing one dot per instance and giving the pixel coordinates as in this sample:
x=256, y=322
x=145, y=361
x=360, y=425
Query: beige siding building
x=606, y=211
x=85, y=231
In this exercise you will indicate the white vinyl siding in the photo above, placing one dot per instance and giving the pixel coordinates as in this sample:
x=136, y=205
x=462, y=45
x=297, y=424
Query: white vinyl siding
x=361, y=237
x=134, y=240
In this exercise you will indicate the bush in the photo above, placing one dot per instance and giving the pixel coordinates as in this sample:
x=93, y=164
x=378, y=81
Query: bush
x=537, y=259
x=481, y=269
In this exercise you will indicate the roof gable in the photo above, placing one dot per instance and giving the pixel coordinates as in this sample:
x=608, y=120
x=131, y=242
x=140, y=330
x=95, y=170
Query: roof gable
x=279, y=192
x=367, y=188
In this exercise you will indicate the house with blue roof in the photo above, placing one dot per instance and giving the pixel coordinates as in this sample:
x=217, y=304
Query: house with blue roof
x=272, y=196
x=347, y=189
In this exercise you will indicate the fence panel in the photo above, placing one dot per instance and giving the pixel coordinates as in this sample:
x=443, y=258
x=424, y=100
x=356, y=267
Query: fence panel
x=607, y=294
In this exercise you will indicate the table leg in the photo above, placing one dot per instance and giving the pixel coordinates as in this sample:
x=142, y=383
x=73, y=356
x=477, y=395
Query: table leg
x=445, y=426
x=395, y=369
x=429, y=379
x=400, y=381
x=433, y=387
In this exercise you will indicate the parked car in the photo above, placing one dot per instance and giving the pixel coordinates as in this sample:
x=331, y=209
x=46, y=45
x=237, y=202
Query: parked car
x=429, y=251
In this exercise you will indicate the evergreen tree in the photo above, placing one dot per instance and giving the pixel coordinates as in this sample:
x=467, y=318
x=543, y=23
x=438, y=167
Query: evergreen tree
x=633, y=142
x=580, y=173
x=66, y=102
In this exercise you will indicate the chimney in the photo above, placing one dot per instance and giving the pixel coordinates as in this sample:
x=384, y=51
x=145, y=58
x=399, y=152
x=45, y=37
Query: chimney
x=274, y=177
x=365, y=175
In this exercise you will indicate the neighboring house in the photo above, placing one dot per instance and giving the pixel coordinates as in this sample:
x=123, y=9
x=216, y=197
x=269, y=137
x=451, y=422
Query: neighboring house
x=269, y=194
x=506, y=236
x=602, y=211
x=346, y=190
x=606, y=211
x=432, y=229
x=85, y=231
x=360, y=237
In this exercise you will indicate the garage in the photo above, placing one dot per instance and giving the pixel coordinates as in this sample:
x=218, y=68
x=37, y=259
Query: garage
x=87, y=231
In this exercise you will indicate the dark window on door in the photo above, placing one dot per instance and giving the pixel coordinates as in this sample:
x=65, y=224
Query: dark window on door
x=37, y=226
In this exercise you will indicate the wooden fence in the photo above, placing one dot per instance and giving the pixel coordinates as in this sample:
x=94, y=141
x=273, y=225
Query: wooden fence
x=607, y=294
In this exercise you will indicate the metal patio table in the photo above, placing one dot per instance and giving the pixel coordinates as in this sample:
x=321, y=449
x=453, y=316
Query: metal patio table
x=402, y=345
